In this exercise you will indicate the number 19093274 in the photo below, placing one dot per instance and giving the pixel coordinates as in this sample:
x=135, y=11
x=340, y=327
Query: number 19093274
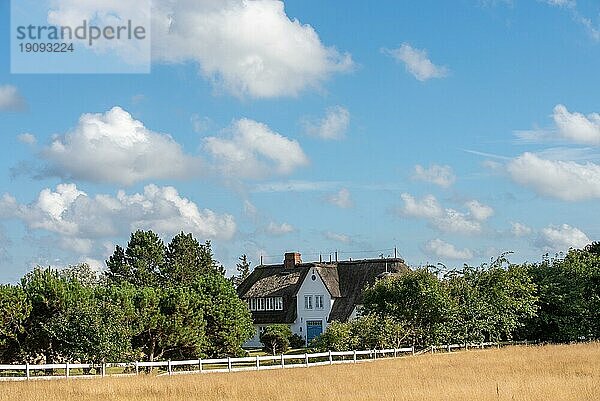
x=34, y=47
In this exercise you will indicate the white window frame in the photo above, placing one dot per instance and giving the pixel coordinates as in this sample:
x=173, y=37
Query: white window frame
x=261, y=304
x=278, y=303
x=253, y=304
x=269, y=304
x=319, y=304
x=308, y=303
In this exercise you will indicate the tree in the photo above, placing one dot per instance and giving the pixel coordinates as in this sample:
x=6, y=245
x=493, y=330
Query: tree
x=169, y=322
x=186, y=260
x=14, y=311
x=276, y=338
x=140, y=263
x=243, y=269
x=569, y=297
x=416, y=300
x=228, y=320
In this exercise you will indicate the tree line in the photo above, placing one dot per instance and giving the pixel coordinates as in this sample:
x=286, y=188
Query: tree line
x=554, y=300
x=154, y=301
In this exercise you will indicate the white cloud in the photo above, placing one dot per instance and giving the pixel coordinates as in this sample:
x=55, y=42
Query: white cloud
x=79, y=219
x=561, y=3
x=27, y=138
x=279, y=229
x=341, y=199
x=417, y=62
x=428, y=207
x=435, y=174
x=520, y=229
x=115, y=148
x=246, y=47
x=561, y=238
x=571, y=5
x=332, y=126
x=446, y=220
x=254, y=151
x=576, y=127
x=11, y=99
x=337, y=237
x=479, y=211
x=564, y=180
x=442, y=249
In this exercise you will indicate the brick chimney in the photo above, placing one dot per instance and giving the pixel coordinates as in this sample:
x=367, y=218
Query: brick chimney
x=291, y=259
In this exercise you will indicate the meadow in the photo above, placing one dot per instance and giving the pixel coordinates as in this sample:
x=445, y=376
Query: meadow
x=552, y=372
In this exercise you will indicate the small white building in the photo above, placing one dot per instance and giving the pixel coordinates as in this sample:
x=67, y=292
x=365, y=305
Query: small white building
x=309, y=296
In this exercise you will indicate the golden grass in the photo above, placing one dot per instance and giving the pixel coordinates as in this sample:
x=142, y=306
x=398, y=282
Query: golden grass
x=562, y=372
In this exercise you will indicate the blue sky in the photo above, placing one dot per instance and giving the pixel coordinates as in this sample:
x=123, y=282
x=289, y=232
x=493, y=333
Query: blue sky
x=453, y=131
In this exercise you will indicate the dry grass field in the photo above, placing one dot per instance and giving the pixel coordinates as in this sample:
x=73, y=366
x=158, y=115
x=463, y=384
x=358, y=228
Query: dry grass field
x=519, y=373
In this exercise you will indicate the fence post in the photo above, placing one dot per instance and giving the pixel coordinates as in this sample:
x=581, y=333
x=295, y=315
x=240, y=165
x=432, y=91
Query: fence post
x=330, y=358
x=137, y=368
x=448, y=347
x=200, y=364
x=27, y=374
x=306, y=359
x=526, y=343
x=375, y=354
x=395, y=353
x=432, y=349
x=354, y=356
x=412, y=349
x=67, y=370
x=257, y=363
x=169, y=369
x=103, y=369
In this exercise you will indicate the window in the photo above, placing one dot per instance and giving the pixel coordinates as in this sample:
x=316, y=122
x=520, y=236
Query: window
x=319, y=301
x=308, y=302
x=279, y=303
x=261, y=304
x=253, y=304
x=269, y=305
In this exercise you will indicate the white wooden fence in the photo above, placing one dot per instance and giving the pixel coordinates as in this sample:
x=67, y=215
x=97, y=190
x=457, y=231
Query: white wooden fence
x=75, y=370
x=194, y=366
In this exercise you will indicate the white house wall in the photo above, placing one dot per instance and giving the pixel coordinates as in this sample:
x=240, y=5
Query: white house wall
x=312, y=288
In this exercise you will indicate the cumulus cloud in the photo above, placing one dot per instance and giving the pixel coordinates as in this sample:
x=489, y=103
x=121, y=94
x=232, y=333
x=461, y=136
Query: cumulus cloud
x=279, y=229
x=337, y=237
x=479, y=211
x=566, y=180
x=113, y=147
x=332, y=126
x=417, y=62
x=435, y=174
x=11, y=99
x=246, y=47
x=253, y=150
x=442, y=249
x=341, y=199
x=520, y=229
x=561, y=238
x=27, y=138
x=80, y=219
x=577, y=127
x=446, y=219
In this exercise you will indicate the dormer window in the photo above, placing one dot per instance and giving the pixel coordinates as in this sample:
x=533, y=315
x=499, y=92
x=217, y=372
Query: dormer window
x=265, y=304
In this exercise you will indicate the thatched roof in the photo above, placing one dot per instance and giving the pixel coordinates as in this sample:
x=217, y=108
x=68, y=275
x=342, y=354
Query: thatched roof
x=344, y=280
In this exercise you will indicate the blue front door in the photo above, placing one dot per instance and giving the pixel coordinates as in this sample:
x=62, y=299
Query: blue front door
x=314, y=328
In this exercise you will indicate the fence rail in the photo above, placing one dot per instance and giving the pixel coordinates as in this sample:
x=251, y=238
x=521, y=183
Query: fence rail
x=194, y=366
